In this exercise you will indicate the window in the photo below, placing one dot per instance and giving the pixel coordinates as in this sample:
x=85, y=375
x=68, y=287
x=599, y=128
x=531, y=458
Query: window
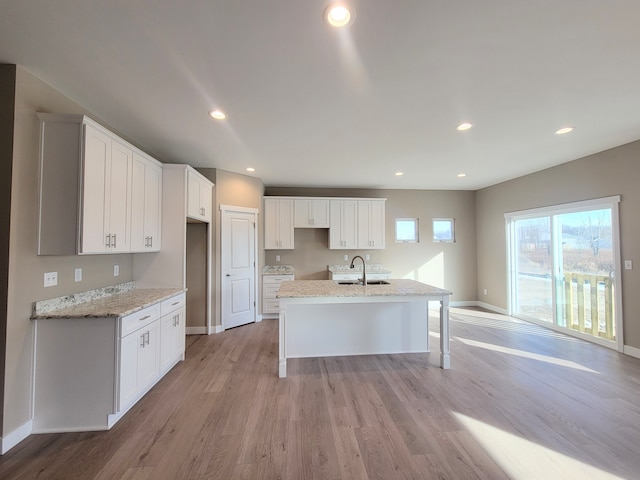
x=443, y=230
x=406, y=230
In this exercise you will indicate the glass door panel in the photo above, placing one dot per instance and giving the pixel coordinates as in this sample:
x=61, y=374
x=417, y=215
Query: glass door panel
x=533, y=268
x=586, y=273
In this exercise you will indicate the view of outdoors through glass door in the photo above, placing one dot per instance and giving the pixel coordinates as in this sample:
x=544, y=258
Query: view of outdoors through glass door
x=564, y=270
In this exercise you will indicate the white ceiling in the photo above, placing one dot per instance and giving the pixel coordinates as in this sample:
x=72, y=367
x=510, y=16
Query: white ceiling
x=308, y=105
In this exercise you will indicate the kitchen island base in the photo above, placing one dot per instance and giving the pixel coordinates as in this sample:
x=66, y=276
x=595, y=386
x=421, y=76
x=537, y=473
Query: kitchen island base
x=354, y=324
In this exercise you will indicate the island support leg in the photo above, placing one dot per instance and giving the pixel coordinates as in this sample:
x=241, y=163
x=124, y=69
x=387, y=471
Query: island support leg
x=282, y=361
x=445, y=361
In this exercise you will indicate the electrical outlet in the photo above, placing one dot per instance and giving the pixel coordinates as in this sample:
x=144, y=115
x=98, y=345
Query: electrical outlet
x=367, y=257
x=485, y=291
x=116, y=270
x=628, y=265
x=51, y=279
x=78, y=274
x=277, y=258
x=346, y=258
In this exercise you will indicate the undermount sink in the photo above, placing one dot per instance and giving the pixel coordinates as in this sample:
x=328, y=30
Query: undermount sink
x=358, y=282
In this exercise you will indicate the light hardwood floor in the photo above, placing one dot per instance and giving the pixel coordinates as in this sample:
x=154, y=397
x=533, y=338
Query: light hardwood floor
x=520, y=402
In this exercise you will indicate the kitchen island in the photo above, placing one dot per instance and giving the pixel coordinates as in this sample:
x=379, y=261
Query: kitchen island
x=322, y=318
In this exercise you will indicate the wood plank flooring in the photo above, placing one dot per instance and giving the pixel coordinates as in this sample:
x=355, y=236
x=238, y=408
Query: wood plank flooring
x=520, y=402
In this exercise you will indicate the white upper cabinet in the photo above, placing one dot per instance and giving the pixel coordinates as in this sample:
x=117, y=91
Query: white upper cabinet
x=106, y=194
x=278, y=223
x=199, y=196
x=343, y=232
x=87, y=196
x=371, y=224
x=311, y=213
x=145, y=204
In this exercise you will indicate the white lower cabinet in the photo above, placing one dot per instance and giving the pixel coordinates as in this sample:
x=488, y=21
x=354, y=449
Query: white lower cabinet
x=173, y=331
x=270, y=287
x=139, y=363
x=90, y=371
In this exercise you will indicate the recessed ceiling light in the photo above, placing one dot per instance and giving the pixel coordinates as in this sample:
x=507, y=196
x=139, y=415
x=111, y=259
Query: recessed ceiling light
x=399, y=174
x=464, y=126
x=339, y=15
x=251, y=169
x=461, y=175
x=217, y=114
x=564, y=130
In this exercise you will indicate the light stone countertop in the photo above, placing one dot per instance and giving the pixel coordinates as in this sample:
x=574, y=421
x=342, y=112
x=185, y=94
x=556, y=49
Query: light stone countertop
x=329, y=288
x=116, y=305
x=278, y=270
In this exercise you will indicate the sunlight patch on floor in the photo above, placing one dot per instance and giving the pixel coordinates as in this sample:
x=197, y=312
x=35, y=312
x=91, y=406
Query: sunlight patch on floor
x=521, y=353
x=504, y=322
x=523, y=459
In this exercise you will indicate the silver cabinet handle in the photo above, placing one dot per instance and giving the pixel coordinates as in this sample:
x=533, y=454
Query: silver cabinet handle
x=142, y=340
x=144, y=318
x=108, y=240
x=114, y=240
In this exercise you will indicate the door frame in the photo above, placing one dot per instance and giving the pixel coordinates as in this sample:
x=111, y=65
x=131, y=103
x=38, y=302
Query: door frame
x=605, y=202
x=224, y=209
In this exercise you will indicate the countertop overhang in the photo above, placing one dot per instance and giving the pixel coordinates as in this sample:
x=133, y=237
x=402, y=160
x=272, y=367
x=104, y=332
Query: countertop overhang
x=330, y=289
x=116, y=305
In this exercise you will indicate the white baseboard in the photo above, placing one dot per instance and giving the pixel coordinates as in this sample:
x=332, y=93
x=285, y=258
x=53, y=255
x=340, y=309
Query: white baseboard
x=15, y=437
x=631, y=351
x=493, y=308
x=218, y=329
x=196, y=330
x=258, y=318
x=463, y=303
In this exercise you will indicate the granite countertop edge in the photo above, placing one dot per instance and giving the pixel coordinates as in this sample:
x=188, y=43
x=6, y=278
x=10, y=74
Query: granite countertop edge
x=113, y=306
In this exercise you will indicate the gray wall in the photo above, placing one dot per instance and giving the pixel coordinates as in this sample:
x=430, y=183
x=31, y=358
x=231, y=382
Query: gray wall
x=26, y=269
x=447, y=265
x=612, y=172
x=239, y=191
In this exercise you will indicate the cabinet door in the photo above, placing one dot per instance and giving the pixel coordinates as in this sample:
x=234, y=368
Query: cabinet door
x=146, y=205
x=377, y=224
x=320, y=213
x=278, y=224
x=95, y=171
x=153, y=207
x=119, y=197
x=129, y=369
x=193, y=195
x=165, y=341
x=149, y=355
x=178, y=332
x=371, y=224
x=311, y=213
x=205, y=200
x=343, y=228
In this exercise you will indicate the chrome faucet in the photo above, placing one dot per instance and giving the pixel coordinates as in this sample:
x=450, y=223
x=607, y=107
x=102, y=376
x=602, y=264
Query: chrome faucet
x=364, y=268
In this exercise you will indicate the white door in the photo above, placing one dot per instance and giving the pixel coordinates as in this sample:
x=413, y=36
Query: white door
x=238, y=268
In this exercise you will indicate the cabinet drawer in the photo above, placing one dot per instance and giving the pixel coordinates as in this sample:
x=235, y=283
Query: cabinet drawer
x=140, y=319
x=276, y=279
x=271, y=289
x=173, y=303
x=346, y=276
x=271, y=306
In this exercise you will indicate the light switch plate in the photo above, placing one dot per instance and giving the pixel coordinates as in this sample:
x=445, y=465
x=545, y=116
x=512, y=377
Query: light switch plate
x=78, y=274
x=277, y=258
x=116, y=270
x=628, y=264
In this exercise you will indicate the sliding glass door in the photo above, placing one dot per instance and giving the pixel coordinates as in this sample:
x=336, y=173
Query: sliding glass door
x=563, y=263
